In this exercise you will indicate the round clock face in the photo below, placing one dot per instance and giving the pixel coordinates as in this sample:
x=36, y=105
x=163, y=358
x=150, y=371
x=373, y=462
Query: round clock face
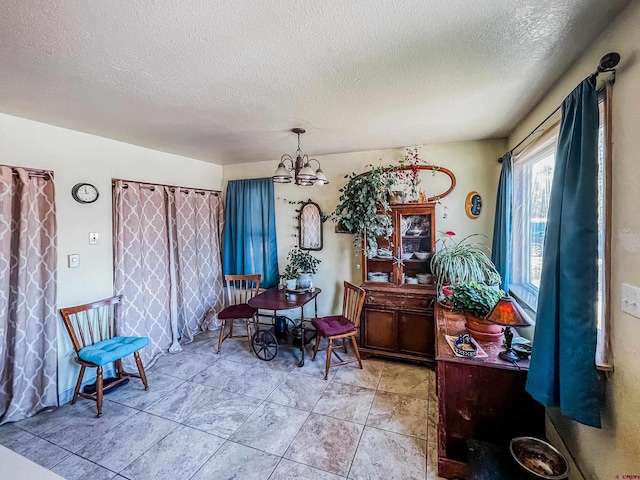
x=84, y=193
x=473, y=204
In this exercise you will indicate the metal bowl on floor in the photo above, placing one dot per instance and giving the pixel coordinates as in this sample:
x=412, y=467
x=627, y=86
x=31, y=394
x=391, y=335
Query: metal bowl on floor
x=539, y=458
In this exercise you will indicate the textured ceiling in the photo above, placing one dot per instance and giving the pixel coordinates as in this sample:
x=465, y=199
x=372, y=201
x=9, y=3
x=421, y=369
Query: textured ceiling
x=225, y=81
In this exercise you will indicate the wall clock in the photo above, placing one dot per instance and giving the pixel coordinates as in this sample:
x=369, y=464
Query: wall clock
x=84, y=193
x=473, y=205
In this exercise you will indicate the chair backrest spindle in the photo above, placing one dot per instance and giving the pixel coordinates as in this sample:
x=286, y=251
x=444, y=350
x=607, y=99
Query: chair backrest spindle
x=92, y=322
x=242, y=288
x=352, y=303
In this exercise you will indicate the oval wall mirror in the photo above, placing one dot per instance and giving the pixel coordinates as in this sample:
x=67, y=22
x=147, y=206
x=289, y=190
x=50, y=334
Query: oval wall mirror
x=310, y=227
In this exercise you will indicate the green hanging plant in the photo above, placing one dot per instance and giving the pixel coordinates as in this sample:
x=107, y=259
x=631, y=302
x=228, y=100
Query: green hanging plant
x=364, y=208
x=463, y=261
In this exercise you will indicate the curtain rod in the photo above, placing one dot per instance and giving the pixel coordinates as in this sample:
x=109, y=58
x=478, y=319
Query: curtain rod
x=607, y=64
x=36, y=174
x=173, y=188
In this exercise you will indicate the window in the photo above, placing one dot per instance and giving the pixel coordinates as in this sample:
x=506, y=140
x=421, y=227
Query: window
x=604, y=359
x=532, y=179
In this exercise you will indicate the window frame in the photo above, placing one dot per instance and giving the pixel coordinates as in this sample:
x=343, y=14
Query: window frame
x=604, y=355
x=526, y=293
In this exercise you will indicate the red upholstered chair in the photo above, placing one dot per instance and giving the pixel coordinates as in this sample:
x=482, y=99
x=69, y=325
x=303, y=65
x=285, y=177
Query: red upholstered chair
x=341, y=326
x=240, y=289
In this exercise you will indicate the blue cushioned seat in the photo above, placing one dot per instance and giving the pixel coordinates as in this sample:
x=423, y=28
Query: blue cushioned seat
x=110, y=350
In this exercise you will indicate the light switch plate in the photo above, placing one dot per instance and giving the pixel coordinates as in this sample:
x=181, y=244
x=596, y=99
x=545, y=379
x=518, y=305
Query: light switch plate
x=631, y=299
x=93, y=238
x=74, y=260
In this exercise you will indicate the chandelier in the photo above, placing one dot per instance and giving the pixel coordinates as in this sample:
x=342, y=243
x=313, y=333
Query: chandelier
x=303, y=173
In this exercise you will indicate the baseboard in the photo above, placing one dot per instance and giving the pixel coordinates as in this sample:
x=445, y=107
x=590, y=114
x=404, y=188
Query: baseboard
x=556, y=440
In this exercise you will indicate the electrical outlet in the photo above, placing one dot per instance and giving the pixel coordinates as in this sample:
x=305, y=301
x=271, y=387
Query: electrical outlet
x=93, y=238
x=74, y=260
x=631, y=299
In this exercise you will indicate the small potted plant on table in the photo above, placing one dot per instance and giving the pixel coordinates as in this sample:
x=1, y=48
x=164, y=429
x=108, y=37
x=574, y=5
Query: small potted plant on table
x=301, y=265
x=290, y=277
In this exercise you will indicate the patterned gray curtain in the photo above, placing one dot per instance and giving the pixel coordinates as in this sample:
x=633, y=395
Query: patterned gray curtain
x=28, y=317
x=198, y=223
x=143, y=268
x=167, y=263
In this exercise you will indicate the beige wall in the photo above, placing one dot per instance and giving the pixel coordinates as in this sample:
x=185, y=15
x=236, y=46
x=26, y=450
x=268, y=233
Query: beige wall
x=78, y=157
x=614, y=449
x=473, y=163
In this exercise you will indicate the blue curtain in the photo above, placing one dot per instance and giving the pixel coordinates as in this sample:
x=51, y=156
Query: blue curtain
x=250, y=230
x=562, y=371
x=501, y=246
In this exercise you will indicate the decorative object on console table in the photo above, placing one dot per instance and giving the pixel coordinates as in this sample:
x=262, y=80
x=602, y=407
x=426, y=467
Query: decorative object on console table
x=497, y=410
x=508, y=313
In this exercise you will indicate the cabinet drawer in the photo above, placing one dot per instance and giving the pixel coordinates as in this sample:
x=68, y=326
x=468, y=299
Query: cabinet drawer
x=398, y=302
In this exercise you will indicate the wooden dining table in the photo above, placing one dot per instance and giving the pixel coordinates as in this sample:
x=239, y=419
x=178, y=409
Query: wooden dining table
x=275, y=299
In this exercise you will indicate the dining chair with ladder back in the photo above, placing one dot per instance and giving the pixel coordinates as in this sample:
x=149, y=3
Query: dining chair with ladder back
x=240, y=289
x=93, y=331
x=336, y=327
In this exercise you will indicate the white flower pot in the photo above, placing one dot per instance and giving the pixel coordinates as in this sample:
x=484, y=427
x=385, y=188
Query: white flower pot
x=304, y=280
x=291, y=284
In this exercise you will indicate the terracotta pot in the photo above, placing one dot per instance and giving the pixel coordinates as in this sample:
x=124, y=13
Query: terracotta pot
x=480, y=325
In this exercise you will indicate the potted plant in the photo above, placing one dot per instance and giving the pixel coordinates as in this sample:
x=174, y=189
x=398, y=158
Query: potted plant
x=463, y=261
x=476, y=300
x=364, y=208
x=494, y=280
x=290, y=276
x=303, y=264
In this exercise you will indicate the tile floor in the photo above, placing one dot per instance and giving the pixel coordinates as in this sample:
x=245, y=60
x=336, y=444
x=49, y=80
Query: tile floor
x=209, y=416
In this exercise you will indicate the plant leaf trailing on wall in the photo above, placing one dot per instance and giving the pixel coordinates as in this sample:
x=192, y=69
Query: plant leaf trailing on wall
x=364, y=208
x=323, y=216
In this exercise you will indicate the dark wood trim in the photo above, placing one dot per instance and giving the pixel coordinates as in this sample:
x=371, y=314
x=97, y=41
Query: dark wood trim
x=400, y=356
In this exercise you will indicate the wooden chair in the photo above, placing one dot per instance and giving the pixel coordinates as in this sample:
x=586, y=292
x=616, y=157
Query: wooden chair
x=343, y=326
x=240, y=289
x=93, y=332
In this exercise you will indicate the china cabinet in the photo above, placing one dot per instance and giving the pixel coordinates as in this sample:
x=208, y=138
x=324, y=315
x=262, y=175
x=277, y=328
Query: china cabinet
x=398, y=314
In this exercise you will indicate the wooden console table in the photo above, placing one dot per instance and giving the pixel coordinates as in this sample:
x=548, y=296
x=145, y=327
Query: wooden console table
x=479, y=398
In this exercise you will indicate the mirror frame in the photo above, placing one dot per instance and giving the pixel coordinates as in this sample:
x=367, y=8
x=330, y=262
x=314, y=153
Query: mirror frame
x=306, y=204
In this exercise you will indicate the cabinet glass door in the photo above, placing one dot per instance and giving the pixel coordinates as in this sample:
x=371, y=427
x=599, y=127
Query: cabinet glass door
x=379, y=268
x=416, y=248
